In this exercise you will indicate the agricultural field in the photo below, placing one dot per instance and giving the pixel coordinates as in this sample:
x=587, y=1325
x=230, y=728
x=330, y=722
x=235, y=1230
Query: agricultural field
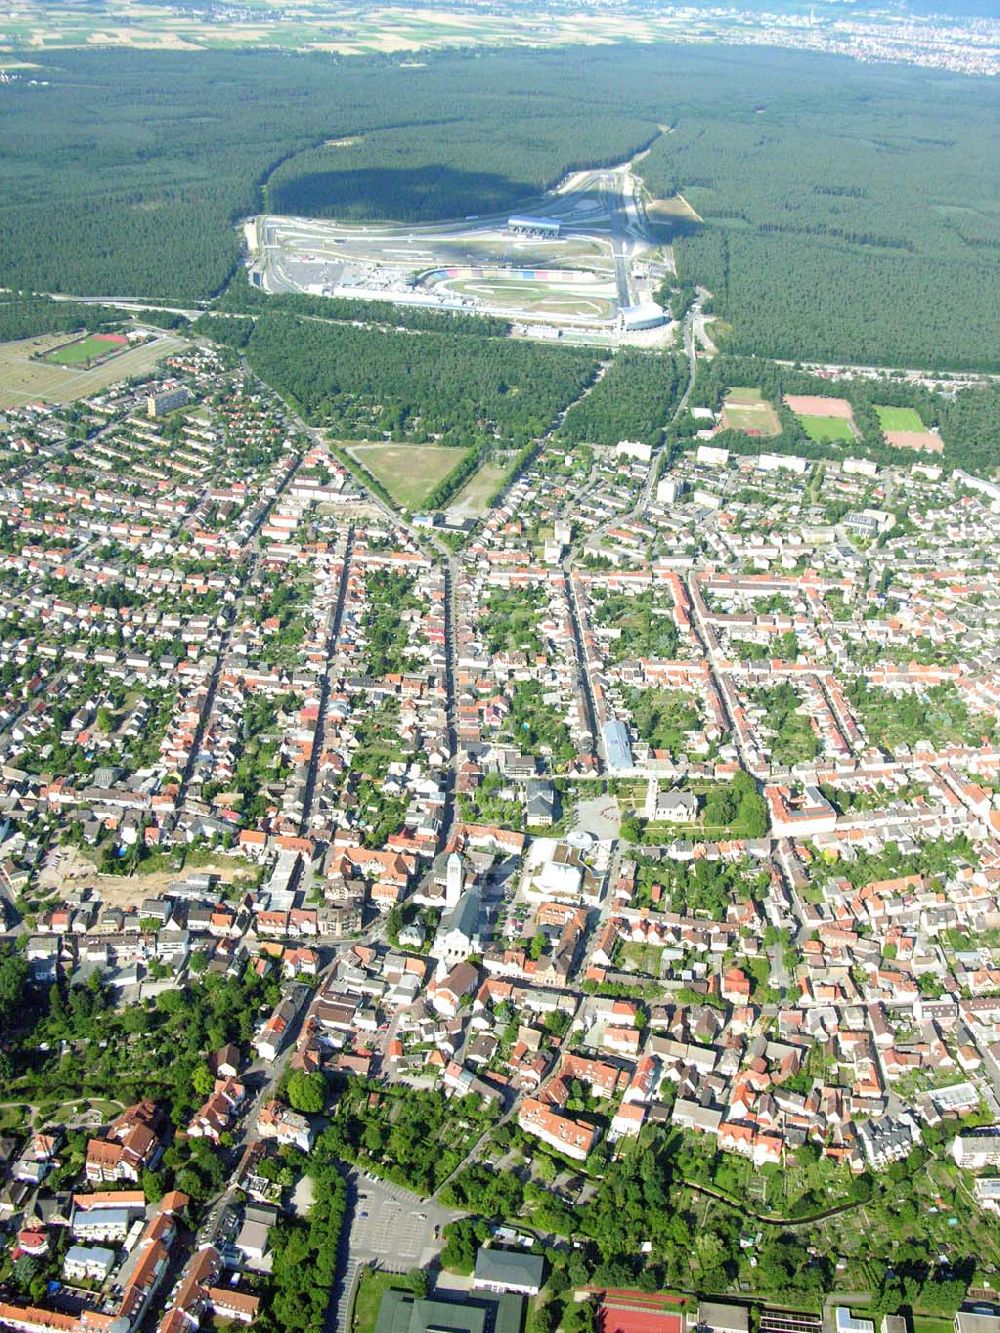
x=90, y=350
x=409, y=472
x=27, y=375
x=358, y=30
x=747, y=410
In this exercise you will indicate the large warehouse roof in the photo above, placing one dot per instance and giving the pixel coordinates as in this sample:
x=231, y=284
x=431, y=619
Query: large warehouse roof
x=618, y=746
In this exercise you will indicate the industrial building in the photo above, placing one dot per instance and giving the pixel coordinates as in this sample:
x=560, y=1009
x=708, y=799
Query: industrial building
x=532, y=226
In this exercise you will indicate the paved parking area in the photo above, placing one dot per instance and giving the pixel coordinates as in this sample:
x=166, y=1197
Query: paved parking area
x=390, y=1230
x=393, y=1226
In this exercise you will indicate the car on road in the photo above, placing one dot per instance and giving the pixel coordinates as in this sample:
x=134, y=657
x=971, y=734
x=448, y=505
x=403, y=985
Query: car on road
x=362, y=1214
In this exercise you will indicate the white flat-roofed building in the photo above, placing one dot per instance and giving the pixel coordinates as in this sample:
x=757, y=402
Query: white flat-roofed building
x=976, y=1148
x=645, y=315
x=849, y=1323
x=83, y=1263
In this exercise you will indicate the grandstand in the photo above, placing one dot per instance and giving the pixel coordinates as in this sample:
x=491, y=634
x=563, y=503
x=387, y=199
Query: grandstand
x=646, y=315
x=532, y=226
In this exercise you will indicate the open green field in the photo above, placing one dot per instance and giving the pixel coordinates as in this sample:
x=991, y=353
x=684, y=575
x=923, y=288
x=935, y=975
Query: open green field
x=409, y=472
x=737, y=395
x=899, y=418
x=28, y=375
x=643, y=958
x=539, y=298
x=83, y=351
x=823, y=429
x=473, y=498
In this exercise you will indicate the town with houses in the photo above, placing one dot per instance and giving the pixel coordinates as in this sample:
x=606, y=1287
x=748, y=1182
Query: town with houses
x=665, y=800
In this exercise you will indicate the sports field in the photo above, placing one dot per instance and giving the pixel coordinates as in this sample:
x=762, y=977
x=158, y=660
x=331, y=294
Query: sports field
x=817, y=405
x=747, y=410
x=89, y=350
x=27, y=377
x=409, y=472
x=899, y=418
x=826, y=429
x=928, y=440
x=639, y=1312
x=823, y=419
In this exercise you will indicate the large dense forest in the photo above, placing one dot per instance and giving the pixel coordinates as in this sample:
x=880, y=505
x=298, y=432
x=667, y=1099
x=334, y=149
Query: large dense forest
x=365, y=382
x=123, y=172
x=846, y=217
x=848, y=212
x=633, y=401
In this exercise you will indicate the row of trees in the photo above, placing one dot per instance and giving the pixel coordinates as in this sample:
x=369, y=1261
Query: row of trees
x=28, y=316
x=239, y=296
x=305, y=1257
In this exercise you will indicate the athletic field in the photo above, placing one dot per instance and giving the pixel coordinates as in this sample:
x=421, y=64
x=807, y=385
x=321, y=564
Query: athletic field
x=90, y=350
x=827, y=429
x=824, y=419
x=899, y=418
x=749, y=411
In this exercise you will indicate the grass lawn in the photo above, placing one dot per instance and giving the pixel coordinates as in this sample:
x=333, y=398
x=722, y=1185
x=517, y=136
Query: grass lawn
x=899, y=418
x=371, y=1289
x=737, y=395
x=14, y=1117
x=824, y=429
x=409, y=472
x=474, y=496
x=636, y=957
